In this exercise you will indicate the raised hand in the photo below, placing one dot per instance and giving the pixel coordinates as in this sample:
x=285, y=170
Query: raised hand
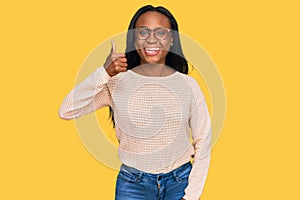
x=115, y=62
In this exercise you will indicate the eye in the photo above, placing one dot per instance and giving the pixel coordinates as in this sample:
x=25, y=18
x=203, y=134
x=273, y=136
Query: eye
x=160, y=32
x=143, y=32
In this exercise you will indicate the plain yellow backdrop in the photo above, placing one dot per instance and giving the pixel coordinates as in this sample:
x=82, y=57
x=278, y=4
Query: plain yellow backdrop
x=255, y=45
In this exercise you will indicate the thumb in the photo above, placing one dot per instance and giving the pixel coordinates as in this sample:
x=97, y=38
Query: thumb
x=113, y=47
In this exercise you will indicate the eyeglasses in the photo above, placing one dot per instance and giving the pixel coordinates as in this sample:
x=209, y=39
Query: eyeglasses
x=159, y=33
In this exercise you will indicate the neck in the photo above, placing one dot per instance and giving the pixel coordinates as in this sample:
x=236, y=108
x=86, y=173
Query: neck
x=153, y=69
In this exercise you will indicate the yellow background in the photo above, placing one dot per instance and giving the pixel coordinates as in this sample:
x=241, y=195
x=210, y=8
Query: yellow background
x=255, y=45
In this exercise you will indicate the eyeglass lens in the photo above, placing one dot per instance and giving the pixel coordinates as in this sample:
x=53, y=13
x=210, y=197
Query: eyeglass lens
x=144, y=33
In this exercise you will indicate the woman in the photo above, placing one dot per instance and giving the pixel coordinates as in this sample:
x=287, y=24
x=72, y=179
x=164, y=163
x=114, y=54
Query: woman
x=155, y=104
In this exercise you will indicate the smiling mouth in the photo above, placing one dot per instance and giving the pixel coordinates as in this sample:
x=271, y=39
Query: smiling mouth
x=151, y=51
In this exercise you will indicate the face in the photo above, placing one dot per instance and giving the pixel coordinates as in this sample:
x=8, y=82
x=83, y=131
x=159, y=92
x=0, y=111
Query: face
x=153, y=50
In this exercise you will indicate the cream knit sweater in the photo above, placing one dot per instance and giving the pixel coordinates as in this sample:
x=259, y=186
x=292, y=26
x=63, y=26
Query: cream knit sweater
x=154, y=118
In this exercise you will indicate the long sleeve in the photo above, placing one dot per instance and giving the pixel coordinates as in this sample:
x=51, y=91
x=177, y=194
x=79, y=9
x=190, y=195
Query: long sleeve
x=88, y=96
x=201, y=134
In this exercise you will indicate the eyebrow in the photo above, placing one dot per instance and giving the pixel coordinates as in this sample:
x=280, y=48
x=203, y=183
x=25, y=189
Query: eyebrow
x=150, y=28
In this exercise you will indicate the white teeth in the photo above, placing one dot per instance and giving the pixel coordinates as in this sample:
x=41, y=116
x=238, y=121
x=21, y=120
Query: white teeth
x=152, y=49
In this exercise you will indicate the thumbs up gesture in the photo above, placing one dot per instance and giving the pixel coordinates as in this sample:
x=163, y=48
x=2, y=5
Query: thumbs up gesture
x=115, y=62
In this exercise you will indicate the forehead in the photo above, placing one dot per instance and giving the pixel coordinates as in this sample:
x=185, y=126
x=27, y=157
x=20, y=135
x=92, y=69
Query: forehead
x=153, y=19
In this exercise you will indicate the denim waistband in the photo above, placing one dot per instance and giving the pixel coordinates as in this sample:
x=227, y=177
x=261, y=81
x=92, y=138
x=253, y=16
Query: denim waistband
x=162, y=175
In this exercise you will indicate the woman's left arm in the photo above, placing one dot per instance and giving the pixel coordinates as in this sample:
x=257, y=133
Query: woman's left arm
x=200, y=124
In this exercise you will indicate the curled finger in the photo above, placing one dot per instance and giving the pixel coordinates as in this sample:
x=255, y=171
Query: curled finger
x=122, y=64
x=121, y=69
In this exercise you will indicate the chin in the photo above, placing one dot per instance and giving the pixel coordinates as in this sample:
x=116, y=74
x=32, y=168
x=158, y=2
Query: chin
x=153, y=62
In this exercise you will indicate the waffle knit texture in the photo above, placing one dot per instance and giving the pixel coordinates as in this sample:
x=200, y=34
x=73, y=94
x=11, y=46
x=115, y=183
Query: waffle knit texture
x=156, y=118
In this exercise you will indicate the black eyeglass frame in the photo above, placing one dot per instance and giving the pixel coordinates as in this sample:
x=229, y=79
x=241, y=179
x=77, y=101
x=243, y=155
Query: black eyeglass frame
x=149, y=31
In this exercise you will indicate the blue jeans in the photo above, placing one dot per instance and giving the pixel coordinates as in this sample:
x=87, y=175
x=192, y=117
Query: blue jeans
x=133, y=184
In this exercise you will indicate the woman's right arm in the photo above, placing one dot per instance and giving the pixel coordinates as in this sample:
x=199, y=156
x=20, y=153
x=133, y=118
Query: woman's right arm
x=93, y=93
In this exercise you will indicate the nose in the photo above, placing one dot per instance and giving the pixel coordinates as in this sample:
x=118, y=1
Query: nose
x=151, y=39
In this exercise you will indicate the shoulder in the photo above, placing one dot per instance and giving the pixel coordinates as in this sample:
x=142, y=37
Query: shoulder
x=190, y=80
x=115, y=81
x=193, y=86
